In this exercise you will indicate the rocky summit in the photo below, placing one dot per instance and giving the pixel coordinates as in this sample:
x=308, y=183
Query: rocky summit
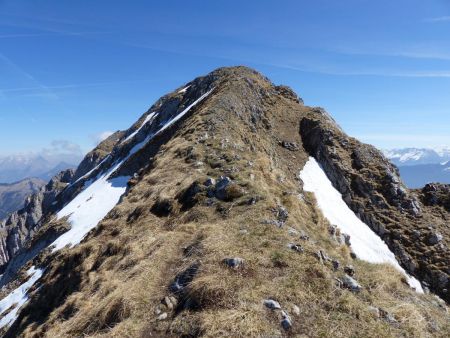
x=229, y=209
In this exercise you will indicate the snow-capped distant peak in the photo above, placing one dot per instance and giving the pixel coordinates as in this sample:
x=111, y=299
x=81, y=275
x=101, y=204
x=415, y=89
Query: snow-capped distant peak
x=414, y=156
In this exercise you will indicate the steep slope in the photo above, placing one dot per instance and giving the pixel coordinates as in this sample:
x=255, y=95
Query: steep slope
x=200, y=221
x=12, y=196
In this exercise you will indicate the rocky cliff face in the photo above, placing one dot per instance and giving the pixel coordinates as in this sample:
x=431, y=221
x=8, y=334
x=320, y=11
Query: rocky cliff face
x=371, y=186
x=12, y=196
x=194, y=222
x=20, y=226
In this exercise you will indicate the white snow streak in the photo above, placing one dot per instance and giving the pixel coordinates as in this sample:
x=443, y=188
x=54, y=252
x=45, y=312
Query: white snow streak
x=366, y=244
x=183, y=90
x=18, y=297
x=148, y=118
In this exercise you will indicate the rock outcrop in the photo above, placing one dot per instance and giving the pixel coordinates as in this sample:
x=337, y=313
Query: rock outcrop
x=372, y=188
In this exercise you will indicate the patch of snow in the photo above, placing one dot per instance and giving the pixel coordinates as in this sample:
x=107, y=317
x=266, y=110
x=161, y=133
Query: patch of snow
x=89, y=207
x=17, y=298
x=183, y=90
x=184, y=112
x=150, y=117
x=366, y=244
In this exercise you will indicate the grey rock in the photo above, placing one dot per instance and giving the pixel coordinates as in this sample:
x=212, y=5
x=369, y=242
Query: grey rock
x=292, y=146
x=296, y=247
x=335, y=264
x=435, y=237
x=163, y=316
x=351, y=284
x=296, y=310
x=234, y=263
x=272, y=304
x=349, y=270
x=286, y=321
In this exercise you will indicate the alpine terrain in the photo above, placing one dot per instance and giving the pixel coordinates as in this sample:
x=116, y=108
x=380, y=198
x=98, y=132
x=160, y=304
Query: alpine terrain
x=229, y=209
x=12, y=196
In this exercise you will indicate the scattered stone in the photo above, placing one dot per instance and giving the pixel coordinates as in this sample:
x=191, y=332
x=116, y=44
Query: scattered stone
x=295, y=247
x=351, y=284
x=184, y=278
x=168, y=303
x=387, y=316
x=158, y=311
x=335, y=264
x=272, y=221
x=286, y=322
x=209, y=182
x=282, y=214
x=293, y=232
x=349, y=270
x=435, y=237
x=353, y=255
x=304, y=236
x=272, y=304
x=374, y=311
x=296, y=310
x=292, y=146
x=163, y=316
x=347, y=239
x=234, y=263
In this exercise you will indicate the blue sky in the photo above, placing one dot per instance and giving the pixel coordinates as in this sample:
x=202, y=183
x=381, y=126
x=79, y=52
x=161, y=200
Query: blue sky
x=72, y=70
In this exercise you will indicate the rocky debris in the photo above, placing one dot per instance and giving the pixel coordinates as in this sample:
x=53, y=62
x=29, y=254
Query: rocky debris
x=170, y=302
x=296, y=310
x=304, y=236
x=436, y=194
x=349, y=270
x=234, y=263
x=282, y=214
x=335, y=264
x=296, y=247
x=293, y=232
x=374, y=311
x=388, y=317
x=435, y=237
x=351, y=284
x=292, y=146
x=322, y=256
x=273, y=222
x=288, y=93
x=183, y=279
x=163, y=316
x=286, y=322
x=272, y=304
x=209, y=182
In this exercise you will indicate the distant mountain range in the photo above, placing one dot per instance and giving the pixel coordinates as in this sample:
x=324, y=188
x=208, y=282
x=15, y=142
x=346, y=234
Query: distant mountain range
x=13, y=196
x=15, y=168
x=419, y=166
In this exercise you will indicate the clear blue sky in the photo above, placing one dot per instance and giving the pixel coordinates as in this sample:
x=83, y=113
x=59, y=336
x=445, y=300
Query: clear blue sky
x=71, y=70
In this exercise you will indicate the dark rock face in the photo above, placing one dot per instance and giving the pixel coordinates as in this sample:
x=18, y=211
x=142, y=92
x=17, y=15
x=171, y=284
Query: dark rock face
x=436, y=194
x=21, y=225
x=371, y=186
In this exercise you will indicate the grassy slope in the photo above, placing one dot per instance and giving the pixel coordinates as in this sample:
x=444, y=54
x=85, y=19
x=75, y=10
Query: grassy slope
x=112, y=284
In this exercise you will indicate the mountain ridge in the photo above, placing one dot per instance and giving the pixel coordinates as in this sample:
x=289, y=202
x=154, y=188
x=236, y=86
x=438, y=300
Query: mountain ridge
x=214, y=235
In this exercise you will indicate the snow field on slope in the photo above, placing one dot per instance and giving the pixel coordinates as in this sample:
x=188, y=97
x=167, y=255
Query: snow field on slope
x=366, y=244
